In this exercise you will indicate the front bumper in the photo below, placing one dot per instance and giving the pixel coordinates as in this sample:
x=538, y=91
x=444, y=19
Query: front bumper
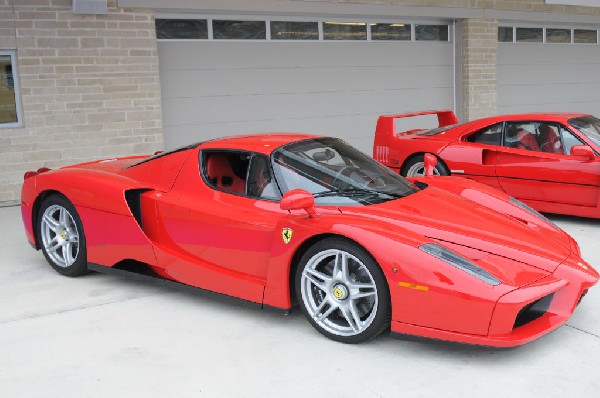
x=558, y=294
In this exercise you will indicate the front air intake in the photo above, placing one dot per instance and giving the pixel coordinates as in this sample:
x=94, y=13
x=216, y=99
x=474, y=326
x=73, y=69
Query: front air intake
x=533, y=310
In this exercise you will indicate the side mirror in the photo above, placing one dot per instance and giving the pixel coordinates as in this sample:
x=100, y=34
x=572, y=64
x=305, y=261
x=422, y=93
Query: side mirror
x=583, y=151
x=430, y=162
x=299, y=199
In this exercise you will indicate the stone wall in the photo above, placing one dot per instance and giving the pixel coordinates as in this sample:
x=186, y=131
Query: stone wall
x=89, y=86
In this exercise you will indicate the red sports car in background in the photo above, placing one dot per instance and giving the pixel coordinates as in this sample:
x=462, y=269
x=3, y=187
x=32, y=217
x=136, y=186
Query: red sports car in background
x=548, y=160
x=279, y=219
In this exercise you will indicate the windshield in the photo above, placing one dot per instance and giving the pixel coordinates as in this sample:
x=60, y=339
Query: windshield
x=588, y=126
x=336, y=173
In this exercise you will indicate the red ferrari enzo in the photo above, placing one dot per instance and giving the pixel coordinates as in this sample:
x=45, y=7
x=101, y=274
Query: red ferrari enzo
x=281, y=219
x=549, y=160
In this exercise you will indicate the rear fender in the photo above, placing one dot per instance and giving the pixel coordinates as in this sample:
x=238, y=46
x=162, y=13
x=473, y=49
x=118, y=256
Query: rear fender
x=112, y=231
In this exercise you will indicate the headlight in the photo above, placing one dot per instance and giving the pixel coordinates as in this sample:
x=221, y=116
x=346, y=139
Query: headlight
x=528, y=209
x=459, y=262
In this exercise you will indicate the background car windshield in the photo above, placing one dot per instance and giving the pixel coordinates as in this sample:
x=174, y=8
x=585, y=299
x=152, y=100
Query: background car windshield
x=589, y=126
x=336, y=173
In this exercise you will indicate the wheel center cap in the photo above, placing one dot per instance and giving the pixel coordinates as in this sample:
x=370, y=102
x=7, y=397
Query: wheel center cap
x=340, y=292
x=63, y=234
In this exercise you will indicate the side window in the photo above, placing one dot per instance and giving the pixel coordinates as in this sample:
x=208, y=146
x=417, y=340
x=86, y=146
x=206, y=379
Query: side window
x=260, y=179
x=226, y=170
x=491, y=135
x=522, y=135
x=549, y=138
x=569, y=140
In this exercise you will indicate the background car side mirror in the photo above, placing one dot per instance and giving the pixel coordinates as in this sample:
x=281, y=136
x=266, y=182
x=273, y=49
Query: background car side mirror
x=298, y=199
x=583, y=151
x=430, y=161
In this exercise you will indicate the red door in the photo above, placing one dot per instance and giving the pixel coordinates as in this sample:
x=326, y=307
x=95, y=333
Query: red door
x=214, y=238
x=527, y=172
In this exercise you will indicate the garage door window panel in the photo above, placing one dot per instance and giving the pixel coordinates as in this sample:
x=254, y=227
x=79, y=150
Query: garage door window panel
x=181, y=29
x=391, y=31
x=291, y=30
x=530, y=35
x=344, y=31
x=505, y=34
x=239, y=30
x=431, y=32
x=585, y=36
x=558, y=35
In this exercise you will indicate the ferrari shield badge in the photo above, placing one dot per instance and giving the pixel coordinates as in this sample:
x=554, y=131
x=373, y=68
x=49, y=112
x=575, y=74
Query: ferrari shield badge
x=286, y=235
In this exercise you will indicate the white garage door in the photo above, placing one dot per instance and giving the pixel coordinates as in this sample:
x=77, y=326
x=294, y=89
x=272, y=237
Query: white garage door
x=555, y=74
x=212, y=88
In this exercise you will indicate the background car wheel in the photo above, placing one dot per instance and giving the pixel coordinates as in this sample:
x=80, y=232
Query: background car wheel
x=61, y=237
x=342, y=291
x=415, y=167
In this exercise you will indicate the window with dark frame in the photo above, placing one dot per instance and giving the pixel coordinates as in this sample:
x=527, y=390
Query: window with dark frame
x=344, y=31
x=558, y=35
x=239, y=30
x=491, y=135
x=431, y=32
x=585, y=36
x=530, y=35
x=505, y=34
x=292, y=30
x=391, y=31
x=181, y=28
x=9, y=110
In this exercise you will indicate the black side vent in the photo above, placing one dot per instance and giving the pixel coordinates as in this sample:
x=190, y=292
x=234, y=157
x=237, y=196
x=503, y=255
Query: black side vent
x=136, y=267
x=533, y=311
x=133, y=198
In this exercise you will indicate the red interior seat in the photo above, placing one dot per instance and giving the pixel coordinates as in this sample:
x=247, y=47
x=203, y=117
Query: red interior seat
x=219, y=171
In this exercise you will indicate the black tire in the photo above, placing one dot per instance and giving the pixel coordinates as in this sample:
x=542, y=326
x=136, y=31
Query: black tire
x=374, y=310
x=416, y=164
x=70, y=259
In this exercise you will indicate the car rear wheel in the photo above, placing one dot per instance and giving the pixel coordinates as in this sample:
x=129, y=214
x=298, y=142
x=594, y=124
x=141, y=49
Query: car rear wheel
x=342, y=291
x=415, y=167
x=60, y=234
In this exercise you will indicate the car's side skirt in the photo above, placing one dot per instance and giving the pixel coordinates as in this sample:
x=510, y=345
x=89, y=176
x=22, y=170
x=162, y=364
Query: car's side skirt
x=181, y=286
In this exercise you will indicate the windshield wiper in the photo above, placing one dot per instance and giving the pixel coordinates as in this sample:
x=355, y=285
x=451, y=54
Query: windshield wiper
x=354, y=192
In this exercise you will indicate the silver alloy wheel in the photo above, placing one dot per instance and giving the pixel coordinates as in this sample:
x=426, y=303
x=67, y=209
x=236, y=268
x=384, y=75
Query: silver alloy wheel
x=60, y=236
x=418, y=170
x=339, y=292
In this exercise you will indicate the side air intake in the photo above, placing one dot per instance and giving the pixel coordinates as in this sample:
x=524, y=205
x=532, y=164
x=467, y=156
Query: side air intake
x=134, y=201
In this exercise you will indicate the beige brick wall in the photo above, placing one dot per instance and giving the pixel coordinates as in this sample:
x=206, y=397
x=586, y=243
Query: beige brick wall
x=89, y=85
x=479, y=59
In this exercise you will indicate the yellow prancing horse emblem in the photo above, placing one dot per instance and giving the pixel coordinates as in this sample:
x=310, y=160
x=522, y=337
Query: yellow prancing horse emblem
x=286, y=234
x=338, y=293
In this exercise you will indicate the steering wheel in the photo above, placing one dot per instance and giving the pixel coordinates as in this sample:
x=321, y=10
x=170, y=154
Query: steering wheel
x=348, y=171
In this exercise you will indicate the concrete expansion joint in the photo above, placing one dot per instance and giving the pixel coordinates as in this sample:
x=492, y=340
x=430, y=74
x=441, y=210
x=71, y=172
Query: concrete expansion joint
x=83, y=307
x=584, y=331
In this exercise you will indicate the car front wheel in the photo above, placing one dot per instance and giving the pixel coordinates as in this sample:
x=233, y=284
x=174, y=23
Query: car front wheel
x=343, y=292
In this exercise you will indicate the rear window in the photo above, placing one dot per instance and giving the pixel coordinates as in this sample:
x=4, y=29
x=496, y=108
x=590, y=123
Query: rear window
x=438, y=130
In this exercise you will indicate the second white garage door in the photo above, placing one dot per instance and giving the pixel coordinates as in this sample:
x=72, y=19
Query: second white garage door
x=217, y=88
x=548, y=76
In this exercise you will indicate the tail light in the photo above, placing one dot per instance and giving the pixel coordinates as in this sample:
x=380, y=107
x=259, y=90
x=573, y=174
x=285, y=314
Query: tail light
x=30, y=174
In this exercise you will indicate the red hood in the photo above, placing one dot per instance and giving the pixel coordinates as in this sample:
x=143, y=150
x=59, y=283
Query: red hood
x=443, y=216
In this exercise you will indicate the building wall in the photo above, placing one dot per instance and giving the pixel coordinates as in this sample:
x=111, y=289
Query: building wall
x=479, y=59
x=89, y=86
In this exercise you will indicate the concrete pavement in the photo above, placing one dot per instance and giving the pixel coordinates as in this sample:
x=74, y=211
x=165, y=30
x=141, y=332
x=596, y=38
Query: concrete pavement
x=100, y=335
